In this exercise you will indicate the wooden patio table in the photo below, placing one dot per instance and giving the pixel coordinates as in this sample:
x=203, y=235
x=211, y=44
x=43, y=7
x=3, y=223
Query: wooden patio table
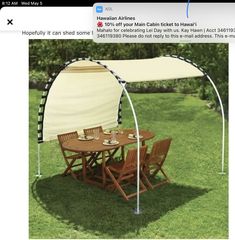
x=76, y=145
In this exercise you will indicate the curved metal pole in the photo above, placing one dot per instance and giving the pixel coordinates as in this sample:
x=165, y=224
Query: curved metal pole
x=38, y=163
x=223, y=123
x=137, y=210
x=220, y=101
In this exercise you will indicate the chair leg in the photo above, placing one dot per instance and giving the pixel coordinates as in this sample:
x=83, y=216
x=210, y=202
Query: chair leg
x=159, y=168
x=142, y=189
x=69, y=167
x=93, y=159
x=68, y=171
x=111, y=154
x=116, y=183
x=146, y=170
x=166, y=180
x=165, y=175
x=143, y=186
x=155, y=172
x=152, y=186
x=74, y=175
x=147, y=180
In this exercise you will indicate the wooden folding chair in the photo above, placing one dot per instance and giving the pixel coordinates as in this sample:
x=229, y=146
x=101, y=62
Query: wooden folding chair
x=90, y=132
x=125, y=171
x=71, y=158
x=154, y=162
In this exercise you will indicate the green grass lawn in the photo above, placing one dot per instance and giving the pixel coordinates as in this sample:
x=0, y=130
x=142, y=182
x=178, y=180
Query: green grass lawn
x=194, y=205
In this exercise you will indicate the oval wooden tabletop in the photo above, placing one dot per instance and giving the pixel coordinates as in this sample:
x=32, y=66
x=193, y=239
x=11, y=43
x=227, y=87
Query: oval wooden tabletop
x=94, y=145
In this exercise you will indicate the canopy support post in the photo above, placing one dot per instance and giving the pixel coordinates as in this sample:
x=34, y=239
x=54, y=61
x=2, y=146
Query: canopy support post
x=223, y=124
x=38, y=163
x=137, y=210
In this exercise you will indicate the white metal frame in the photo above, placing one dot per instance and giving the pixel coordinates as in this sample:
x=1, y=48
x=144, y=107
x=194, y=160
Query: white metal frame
x=123, y=83
x=137, y=210
x=38, y=163
x=223, y=124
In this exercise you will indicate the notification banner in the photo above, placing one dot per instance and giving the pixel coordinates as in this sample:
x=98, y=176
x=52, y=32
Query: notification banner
x=162, y=22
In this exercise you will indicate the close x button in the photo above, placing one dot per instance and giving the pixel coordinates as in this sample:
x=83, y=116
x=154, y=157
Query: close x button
x=9, y=21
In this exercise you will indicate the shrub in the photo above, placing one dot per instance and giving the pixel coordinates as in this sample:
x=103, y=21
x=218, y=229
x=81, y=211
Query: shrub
x=36, y=76
x=37, y=79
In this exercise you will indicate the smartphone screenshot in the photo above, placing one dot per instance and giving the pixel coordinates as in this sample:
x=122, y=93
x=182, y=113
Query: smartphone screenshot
x=117, y=120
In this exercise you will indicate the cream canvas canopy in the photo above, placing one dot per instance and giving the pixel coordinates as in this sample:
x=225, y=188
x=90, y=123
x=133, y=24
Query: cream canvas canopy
x=83, y=94
x=87, y=93
x=154, y=69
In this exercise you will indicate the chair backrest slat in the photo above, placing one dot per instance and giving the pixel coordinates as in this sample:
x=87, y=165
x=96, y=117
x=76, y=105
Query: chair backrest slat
x=131, y=159
x=64, y=137
x=90, y=131
x=159, y=151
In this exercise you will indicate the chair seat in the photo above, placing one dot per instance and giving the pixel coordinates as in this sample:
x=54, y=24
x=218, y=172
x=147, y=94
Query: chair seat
x=116, y=167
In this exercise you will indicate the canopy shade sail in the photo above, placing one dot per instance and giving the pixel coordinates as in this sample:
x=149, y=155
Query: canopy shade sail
x=161, y=68
x=86, y=93
x=80, y=98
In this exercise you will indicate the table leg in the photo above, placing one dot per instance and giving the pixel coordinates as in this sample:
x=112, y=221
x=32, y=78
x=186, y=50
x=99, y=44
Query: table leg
x=103, y=169
x=123, y=153
x=84, y=167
